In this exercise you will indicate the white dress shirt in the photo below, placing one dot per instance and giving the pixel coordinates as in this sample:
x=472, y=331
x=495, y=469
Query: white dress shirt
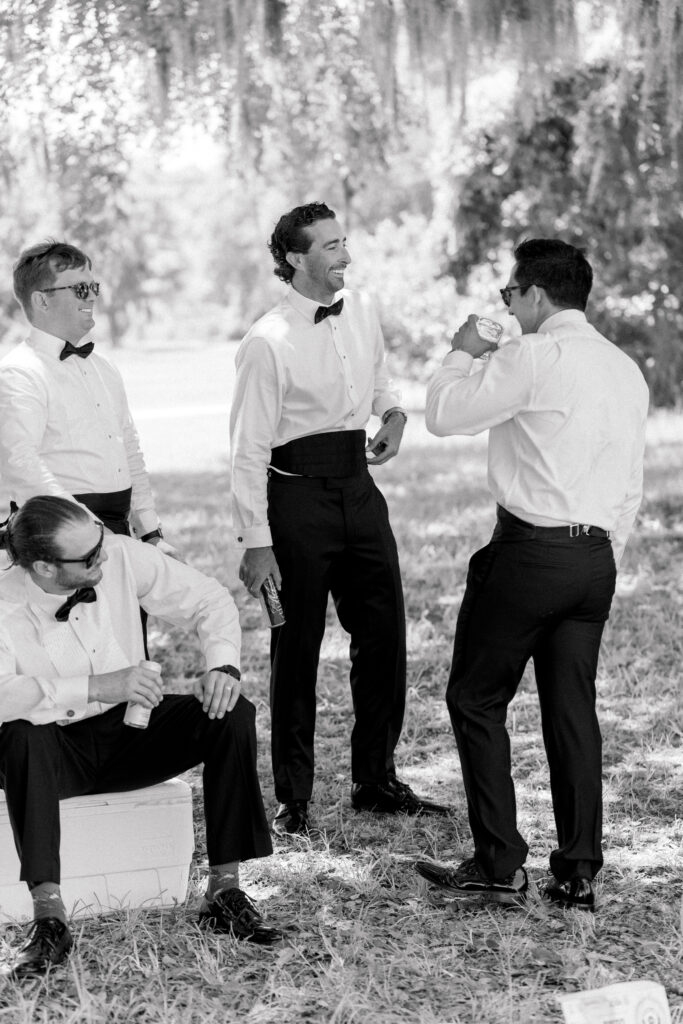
x=567, y=410
x=296, y=378
x=65, y=428
x=45, y=664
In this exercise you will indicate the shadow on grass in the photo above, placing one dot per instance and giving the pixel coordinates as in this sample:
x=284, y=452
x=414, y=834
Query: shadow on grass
x=367, y=940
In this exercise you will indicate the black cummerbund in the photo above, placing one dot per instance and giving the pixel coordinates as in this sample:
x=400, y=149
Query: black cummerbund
x=337, y=453
x=111, y=508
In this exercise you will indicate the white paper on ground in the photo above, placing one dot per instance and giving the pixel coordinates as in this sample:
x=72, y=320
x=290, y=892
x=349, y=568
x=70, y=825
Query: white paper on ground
x=630, y=1002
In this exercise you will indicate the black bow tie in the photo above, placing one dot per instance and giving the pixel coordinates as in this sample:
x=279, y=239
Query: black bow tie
x=333, y=310
x=85, y=594
x=82, y=351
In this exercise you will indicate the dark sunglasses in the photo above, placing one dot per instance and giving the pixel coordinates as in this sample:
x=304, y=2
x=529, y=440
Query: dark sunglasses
x=81, y=290
x=506, y=293
x=91, y=557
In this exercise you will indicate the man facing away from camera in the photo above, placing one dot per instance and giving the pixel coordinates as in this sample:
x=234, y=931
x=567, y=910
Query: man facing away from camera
x=65, y=425
x=71, y=656
x=566, y=410
x=307, y=513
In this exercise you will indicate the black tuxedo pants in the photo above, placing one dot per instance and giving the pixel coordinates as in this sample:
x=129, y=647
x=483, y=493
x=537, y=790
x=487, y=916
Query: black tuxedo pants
x=43, y=764
x=332, y=535
x=547, y=600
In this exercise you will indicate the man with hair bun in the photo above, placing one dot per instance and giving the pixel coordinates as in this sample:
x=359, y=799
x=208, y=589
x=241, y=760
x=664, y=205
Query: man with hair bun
x=71, y=657
x=307, y=513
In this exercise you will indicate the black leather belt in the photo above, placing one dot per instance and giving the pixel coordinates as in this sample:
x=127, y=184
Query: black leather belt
x=552, y=532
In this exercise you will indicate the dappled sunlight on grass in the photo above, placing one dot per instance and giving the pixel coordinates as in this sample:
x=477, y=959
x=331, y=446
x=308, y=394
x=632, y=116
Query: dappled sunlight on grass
x=367, y=939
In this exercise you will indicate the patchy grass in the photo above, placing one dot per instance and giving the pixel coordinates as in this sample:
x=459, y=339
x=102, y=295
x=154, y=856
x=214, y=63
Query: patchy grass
x=367, y=942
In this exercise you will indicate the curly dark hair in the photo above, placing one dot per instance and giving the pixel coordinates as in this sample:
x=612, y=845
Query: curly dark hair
x=289, y=235
x=559, y=268
x=38, y=266
x=29, y=534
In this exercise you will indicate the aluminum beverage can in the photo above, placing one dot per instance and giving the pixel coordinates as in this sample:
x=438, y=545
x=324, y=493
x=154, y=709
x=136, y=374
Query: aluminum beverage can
x=489, y=330
x=137, y=716
x=269, y=597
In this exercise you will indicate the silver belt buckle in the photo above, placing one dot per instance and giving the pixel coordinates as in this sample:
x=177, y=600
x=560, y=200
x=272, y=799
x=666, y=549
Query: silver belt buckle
x=574, y=529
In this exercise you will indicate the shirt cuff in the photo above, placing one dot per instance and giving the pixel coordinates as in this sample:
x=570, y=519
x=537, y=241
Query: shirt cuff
x=73, y=698
x=459, y=360
x=221, y=654
x=254, y=537
x=144, y=522
x=385, y=402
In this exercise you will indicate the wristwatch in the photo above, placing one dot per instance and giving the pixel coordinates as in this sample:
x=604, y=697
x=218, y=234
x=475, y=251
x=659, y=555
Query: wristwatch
x=229, y=670
x=152, y=534
x=394, y=412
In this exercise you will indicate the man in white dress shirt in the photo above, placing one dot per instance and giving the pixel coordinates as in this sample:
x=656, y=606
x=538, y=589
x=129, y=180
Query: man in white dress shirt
x=71, y=656
x=65, y=425
x=310, y=373
x=566, y=410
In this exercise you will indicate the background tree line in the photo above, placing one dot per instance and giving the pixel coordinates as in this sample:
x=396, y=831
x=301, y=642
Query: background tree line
x=165, y=137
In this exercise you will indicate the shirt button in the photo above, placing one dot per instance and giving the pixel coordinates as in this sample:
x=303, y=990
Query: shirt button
x=70, y=713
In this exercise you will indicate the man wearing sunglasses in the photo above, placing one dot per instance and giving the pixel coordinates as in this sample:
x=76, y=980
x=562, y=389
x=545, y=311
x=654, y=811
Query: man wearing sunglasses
x=65, y=425
x=71, y=656
x=566, y=411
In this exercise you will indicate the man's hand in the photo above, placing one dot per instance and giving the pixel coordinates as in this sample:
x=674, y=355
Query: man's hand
x=218, y=693
x=166, y=548
x=137, y=683
x=256, y=564
x=466, y=339
x=387, y=441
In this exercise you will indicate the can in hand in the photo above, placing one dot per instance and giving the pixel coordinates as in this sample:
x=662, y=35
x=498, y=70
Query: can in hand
x=489, y=330
x=137, y=715
x=269, y=597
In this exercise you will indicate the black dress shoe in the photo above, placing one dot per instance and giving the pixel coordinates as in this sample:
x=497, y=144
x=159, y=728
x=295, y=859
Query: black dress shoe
x=575, y=892
x=47, y=944
x=231, y=912
x=292, y=819
x=392, y=797
x=467, y=882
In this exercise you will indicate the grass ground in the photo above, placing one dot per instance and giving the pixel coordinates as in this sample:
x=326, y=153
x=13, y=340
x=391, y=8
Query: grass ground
x=366, y=941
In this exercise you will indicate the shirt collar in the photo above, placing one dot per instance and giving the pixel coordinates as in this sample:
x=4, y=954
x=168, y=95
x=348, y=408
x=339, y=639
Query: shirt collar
x=36, y=597
x=307, y=307
x=49, y=344
x=565, y=316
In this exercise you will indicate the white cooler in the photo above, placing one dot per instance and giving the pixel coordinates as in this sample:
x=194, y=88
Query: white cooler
x=118, y=850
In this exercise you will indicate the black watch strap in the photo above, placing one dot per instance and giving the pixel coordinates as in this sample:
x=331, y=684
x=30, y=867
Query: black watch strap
x=152, y=533
x=394, y=412
x=229, y=670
